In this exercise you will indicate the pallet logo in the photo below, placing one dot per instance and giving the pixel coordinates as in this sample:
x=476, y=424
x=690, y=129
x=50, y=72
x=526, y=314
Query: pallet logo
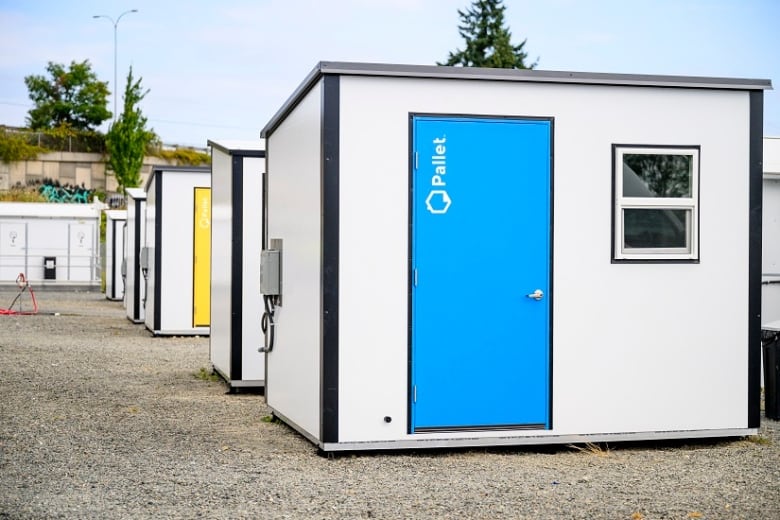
x=438, y=200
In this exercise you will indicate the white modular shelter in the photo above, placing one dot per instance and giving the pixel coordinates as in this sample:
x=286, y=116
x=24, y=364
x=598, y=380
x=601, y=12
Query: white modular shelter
x=50, y=244
x=116, y=221
x=178, y=244
x=499, y=257
x=237, y=169
x=770, y=271
x=135, y=265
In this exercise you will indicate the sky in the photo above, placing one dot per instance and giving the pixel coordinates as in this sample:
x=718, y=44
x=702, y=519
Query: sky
x=220, y=70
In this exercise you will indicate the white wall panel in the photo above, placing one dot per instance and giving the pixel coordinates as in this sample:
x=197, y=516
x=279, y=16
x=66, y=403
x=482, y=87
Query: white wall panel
x=176, y=205
x=294, y=209
x=82, y=245
x=637, y=347
x=13, y=250
x=115, y=251
x=221, y=267
x=772, y=155
x=252, y=361
x=136, y=226
x=770, y=290
x=150, y=234
x=32, y=231
x=227, y=163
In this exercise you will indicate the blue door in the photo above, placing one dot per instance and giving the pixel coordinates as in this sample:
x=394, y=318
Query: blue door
x=480, y=274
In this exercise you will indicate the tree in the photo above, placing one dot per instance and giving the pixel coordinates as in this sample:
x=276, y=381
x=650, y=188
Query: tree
x=488, y=41
x=72, y=98
x=128, y=137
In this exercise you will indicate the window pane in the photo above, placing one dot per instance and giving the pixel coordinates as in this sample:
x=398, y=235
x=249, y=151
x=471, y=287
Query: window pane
x=656, y=228
x=651, y=175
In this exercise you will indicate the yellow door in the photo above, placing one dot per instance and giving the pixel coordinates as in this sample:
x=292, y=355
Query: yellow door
x=201, y=282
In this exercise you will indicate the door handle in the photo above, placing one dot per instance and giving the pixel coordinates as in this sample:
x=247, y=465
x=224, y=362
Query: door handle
x=536, y=295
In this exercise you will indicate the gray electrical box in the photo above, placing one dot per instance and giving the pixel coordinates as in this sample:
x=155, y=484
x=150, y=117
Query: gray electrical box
x=270, y=272
x=143, y=259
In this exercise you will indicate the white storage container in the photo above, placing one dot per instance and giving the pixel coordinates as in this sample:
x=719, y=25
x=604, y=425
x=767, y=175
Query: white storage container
x=114, y=269
x=499, y=257
x=51, y=244
x=135, y=255
x=178, y=244
x=237, y=169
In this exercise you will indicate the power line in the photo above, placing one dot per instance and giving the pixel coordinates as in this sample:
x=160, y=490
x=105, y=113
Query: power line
x=208, y=125
x=15, y=104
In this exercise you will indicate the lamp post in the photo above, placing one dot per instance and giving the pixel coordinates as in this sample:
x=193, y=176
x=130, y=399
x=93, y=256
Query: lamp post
x=115, y=23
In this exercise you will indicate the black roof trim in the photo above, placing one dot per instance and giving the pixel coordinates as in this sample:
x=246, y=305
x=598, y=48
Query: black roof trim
x=530, y=76
x=233, y=148
x=181, y=169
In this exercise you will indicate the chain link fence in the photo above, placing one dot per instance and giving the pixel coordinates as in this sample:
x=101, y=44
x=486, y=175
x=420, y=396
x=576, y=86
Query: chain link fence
x=59, y=141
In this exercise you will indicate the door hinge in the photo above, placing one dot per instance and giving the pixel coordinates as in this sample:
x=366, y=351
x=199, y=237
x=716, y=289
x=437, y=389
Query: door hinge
x=414, y=393
x=414, y=274
x=416, y=160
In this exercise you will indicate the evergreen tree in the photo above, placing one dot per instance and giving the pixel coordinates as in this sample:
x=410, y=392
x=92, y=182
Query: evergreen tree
x=128, y=137
x=73, y=98
x=488, y=41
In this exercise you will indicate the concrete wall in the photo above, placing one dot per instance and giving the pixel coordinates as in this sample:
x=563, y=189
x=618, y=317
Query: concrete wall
x=72, y=168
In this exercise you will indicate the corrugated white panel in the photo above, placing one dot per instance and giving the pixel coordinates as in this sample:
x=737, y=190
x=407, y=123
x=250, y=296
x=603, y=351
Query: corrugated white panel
x=13, y=250
x=772, y=155
x=32, y=231
x=82, y=248
x=48, y=210
x=770, y=290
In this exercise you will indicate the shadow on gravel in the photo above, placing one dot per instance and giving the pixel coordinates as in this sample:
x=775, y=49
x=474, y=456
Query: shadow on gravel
x=599, y=449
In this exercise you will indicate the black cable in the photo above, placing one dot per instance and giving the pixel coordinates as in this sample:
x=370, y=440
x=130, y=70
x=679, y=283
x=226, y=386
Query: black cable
x=21, y=291
x=267, y=324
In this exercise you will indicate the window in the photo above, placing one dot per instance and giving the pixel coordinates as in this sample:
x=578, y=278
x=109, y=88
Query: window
x=656, y=214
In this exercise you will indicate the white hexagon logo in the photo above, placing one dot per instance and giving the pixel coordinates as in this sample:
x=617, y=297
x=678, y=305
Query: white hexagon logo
x=438, y=202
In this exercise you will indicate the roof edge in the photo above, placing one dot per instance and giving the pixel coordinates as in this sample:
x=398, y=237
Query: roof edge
x=160, y=168
x=530, y=76
x=243, y=148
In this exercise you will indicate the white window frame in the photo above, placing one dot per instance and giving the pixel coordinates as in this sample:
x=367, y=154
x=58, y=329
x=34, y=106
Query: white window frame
x=690, y=204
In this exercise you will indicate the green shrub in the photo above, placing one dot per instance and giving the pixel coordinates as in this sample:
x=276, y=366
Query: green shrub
x=15, y=147
x=18, y=194
x=180, y=156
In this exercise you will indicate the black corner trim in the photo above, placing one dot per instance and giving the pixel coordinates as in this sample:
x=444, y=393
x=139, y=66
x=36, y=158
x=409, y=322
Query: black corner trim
x=113, y=258
x=329, y=354
x=236, y=268
x=754, y=258
x=551, y=289
x=410, y=278
x=157, y=318
x=137, y=272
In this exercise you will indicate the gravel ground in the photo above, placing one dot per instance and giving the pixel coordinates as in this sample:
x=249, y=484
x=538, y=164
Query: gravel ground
x=100, y=420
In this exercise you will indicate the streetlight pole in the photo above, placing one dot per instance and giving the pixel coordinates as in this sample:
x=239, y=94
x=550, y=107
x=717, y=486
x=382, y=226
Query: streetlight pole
x=115, y=23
